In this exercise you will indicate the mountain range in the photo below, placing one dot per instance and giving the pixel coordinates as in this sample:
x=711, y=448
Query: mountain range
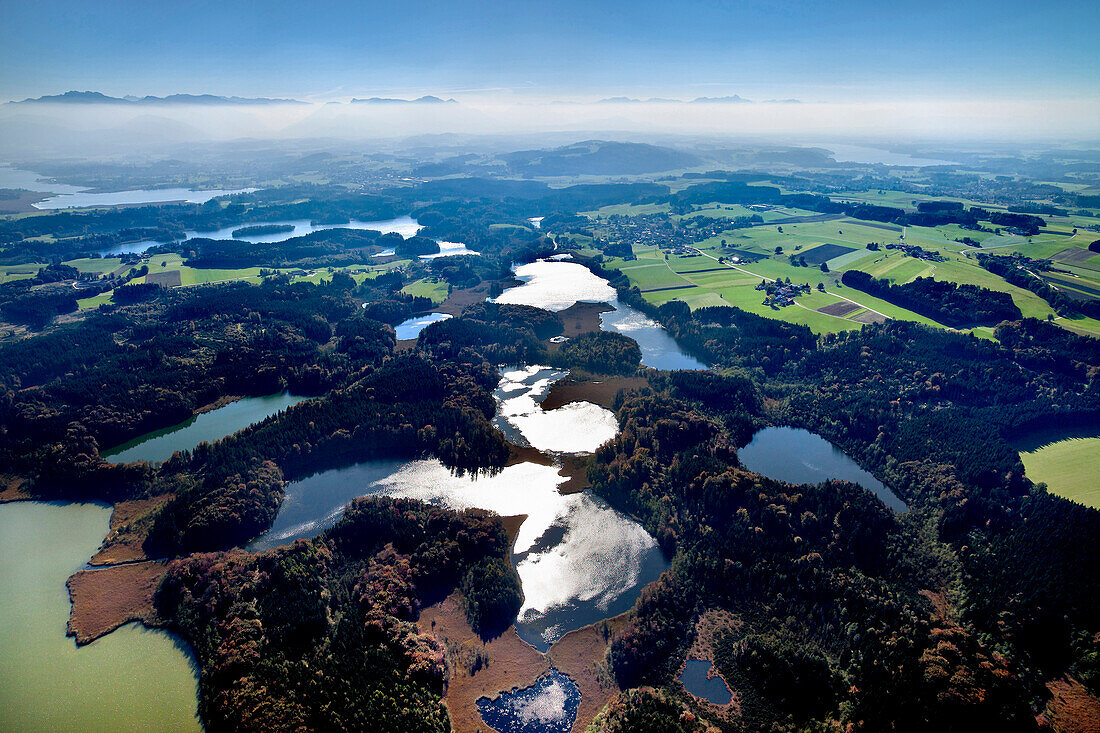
x=74, y=97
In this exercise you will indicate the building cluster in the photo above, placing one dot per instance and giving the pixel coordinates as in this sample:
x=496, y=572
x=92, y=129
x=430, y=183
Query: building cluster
x=781, y=294
x=912, y=250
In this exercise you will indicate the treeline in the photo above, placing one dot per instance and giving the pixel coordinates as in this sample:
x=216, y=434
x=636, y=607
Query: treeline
x=823, y=565
x=80, y=234
x=737, y=192
x=118, y=375
x=322, y=634
x=261, y=229
x=405, y=408
x=600, y=352
x=958, y=305
x=1018, y=270
x=325, y=248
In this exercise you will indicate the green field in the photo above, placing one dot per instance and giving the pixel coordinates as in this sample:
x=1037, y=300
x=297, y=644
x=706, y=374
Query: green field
x=701, y=281
x=1067, y=468
x=436, y=290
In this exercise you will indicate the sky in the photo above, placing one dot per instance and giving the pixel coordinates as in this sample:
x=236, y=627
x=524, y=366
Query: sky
x=847, y=51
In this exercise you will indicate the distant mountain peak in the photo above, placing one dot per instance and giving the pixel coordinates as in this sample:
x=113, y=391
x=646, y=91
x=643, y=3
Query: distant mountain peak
x=735, y=99
x=75, y=97
x=632, y=100
x=426, y=99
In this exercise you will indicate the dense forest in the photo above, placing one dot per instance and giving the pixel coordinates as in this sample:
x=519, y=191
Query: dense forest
x=320, y=635
x=941, y=300
x=951, y=616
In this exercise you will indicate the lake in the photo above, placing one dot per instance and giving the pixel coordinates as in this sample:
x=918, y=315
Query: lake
x=31, y=181
x=876, y=156
x=548, y=706
x=410, y=328
x=84, y=199
x=556, y=285
x=695, y=680
x=577, y=427
x=133, y=679
x=406, y=226
x=206, y=427
x=579, y=560
x=798, y=456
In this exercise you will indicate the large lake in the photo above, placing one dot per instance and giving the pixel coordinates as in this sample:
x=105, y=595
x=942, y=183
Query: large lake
x=876, y=156
x=159, y=445
x=556, y=285
x=84, y=199
x=798, y=456
x=406, y=226
x=579, y=560
x=31, y=181
x=133, y=679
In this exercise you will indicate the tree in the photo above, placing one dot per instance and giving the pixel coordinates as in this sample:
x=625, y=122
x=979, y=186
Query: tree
x=824, y=266
x=779, y=250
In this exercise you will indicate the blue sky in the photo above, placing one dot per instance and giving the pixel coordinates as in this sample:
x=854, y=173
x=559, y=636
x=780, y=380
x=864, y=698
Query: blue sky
x=829, y=51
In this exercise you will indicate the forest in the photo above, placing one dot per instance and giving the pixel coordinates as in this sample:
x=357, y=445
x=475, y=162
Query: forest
x=319, y=635
x=949, y=303
x=951, y=616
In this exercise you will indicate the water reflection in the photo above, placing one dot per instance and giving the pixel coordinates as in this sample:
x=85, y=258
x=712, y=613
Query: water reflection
x=578, y=559
x=159, y=445
x=548, y=706
x=577, y=427
x=137, y=196
x=798, y=456
x=409, y=329
x=556, y=285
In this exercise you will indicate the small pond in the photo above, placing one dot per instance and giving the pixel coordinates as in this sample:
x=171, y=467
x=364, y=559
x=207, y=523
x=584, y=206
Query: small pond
x=206, y=427
x=695, y=680
x=798, y=456
x=548, y=706
x=411, y=328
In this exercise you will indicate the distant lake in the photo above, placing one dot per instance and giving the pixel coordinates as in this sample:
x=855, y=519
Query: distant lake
x=876, y=156
x=798, y=456
x=695, y=680
x=411, y=328
x=406, y=226
x=84, y=199
x=133, y=679
x=450, y=249
x=556, y=285
x=548, y=706
x=159, y=445
x=30, y=181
